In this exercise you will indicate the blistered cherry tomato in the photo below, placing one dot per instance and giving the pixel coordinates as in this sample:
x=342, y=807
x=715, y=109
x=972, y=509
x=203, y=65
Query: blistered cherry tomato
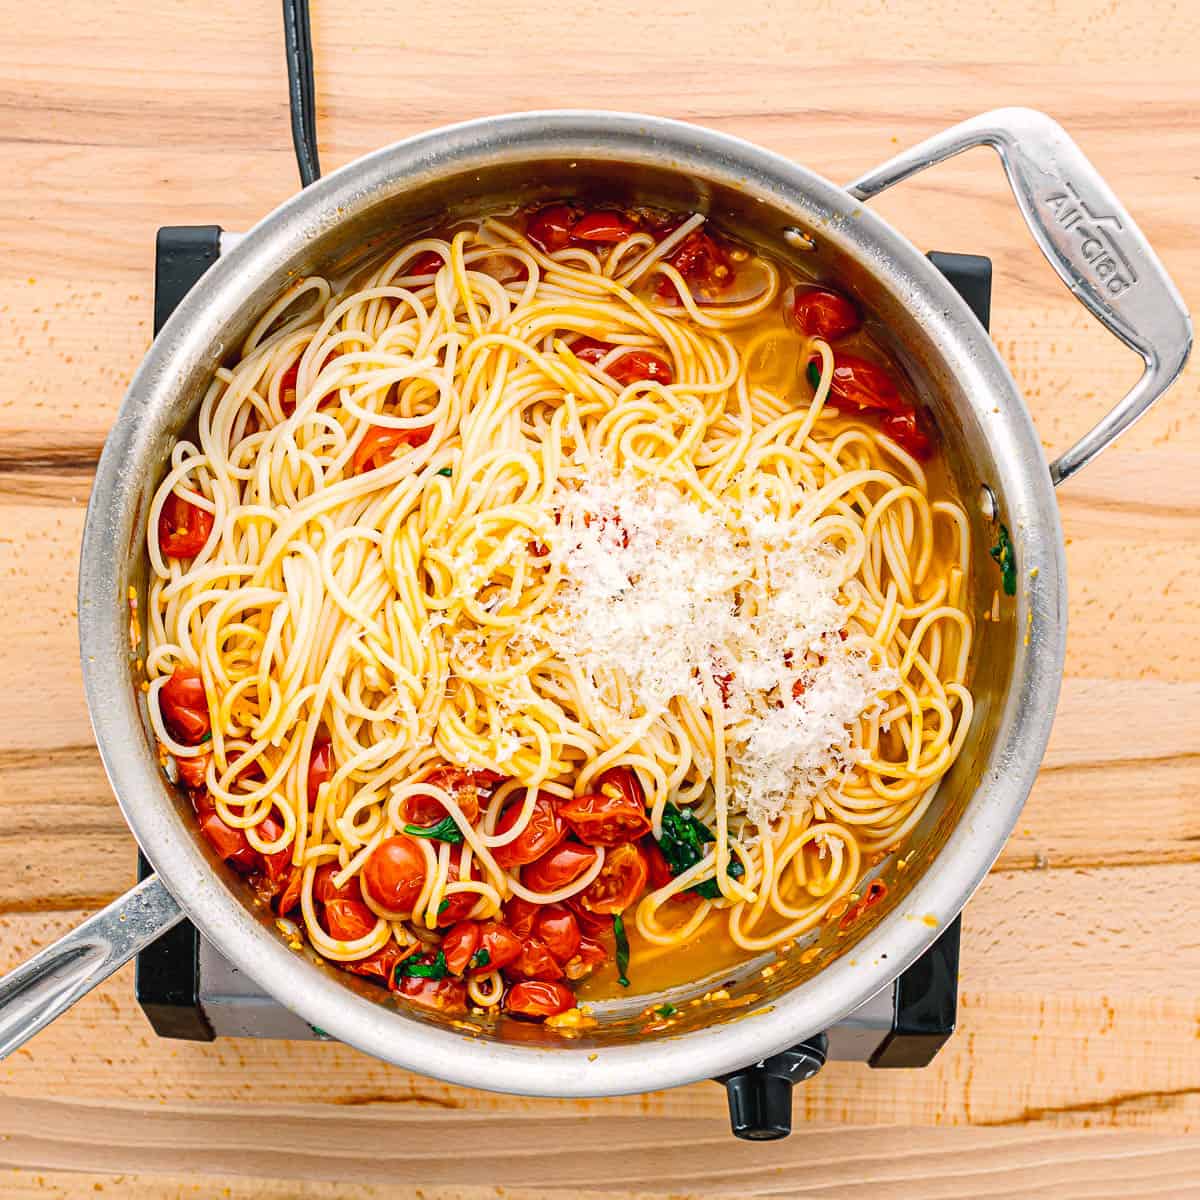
x=464, y=785
x=658, y=870
x=441, y=995
x=536, y=961
x=394, y=874
x=585, y=960
x=563, y=865
x=320, y=770
x=860, y=384
x=549, y=229
x=622, y=781
x=457, y=905
x=380, y=965
x=557, y=927
x=635, y=366
x=428, y=263
x=279, y=863
x=592, y=925
x=193, y=771
x=459, y=944
x=183, y=527
x=538, y=999
x=501, y=944
x=821, y=313
x=620, y=882
x=543, y=831
x=602, y=227
x=324, y=889
x=520, y=915
x=383, y=443
x=605, y=820
x=703, y=263
x=288, y=896
x=905, y=430
x=184, y=706
x=229, y=842
x=348, y=920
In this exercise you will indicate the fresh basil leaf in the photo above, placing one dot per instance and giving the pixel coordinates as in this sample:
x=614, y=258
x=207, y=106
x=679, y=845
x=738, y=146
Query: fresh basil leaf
x=813, y=372
x=709, y=889
x=1006, y=557
x=683, y=839
x=445, y=904
x=446, y=472
x=420, y=970
x=446, y=830
x=666, y=1010
x=481, y=958
x=622, y=950
x=206, y=738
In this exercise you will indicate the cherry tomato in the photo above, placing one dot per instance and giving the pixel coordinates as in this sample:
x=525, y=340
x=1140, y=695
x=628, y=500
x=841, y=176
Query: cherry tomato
x=503, y=946
x=622, y=782
x=821, y=313
x=394, y=874
x=557, y=927
x=538, y=999
x=703, y=263
x=193, y=771
x=428, y=263
x=602, y=227
x=658, y=870
x=348, y=920
x=382, y=444
x=905, y=430
x=278, y=864
x=876, y=890
x=380, y=965
x=536, y=961
x=464, y=785
x=549, y=229
x=586, y=959
x=184, y=706
x=324, y=889
x=229, y=842
x=183, y=527
x=320, y=770
x=288, y=896
x=592, y=924
x=544, y=831
x=287, y=388
x=460, y=942
x=441, y=995
x=555, y=870
x=860, y=384
x=633, y=366
x=620, y=882
x=457, y=905
x=520, y=915
x=599, y=820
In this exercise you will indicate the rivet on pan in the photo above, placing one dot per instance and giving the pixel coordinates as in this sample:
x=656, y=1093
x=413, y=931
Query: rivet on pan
x=987, y=502
x=798, y=238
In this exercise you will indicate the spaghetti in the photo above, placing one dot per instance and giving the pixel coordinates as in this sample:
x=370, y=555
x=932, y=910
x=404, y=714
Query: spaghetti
x=565, y=567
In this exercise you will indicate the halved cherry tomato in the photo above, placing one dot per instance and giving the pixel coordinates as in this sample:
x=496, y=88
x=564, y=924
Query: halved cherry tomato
x=320, y=770
x=549, y=229
x=563, y=865
x=278, y=864
x=602, y=227
x=193, y=771
x=905, y=430
x=382, y=443
x=502, y=945
x=821, y=313
x=557, y=927
x=544, y=831
x=703, y=262
x=442, y=995
x=395, y=873
x=621, y=782
x=620, y=882
x=592, y=924
x=464, y=784
x=183, y=527
x=460, y=942
x=184, y=706
x=457, y=905
x=428, y=263
x=324, y=889
x=860, y=384
x=230, y=843
x=288, y=896
x=380, y=965
x=586, y=959
x=538, y=999
x=658, y=870
x=536, y=961
x=348, y=920
x=633, y=366
x=520, y=915
x=605, y=820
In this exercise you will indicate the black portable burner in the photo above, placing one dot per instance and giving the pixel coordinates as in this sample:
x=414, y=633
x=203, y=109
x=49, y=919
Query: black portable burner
x=188, y=991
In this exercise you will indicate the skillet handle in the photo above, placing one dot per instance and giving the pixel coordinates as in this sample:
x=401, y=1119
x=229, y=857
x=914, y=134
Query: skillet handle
x=42, y=989
x=1089, y=239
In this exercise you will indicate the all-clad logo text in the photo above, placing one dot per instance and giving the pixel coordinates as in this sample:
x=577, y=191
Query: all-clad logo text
x=1098, y=243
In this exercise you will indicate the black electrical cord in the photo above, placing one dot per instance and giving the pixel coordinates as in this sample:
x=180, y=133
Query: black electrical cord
x=302, y=96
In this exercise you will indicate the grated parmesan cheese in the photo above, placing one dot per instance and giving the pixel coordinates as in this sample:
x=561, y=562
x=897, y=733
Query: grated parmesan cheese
x=691, y=603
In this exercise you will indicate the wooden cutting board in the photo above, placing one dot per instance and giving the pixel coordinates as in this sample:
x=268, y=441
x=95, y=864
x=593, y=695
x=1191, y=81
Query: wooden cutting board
x=1076, y=1070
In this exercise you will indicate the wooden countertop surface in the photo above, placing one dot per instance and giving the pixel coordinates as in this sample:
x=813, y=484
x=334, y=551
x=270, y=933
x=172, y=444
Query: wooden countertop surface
x=1076, y=1071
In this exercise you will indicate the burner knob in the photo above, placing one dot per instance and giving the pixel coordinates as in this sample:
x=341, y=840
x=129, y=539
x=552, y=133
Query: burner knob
x=760, y=1096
